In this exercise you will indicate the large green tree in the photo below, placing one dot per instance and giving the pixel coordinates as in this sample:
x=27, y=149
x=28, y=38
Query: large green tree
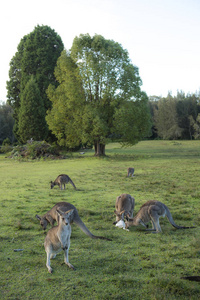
x=108, y=83
x=36, y=56
x=32, y=122
x=132, y=120
x=68, y=103
x=166, y=118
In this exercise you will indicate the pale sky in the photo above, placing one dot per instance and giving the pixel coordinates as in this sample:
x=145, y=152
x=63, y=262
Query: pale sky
x=161, y=36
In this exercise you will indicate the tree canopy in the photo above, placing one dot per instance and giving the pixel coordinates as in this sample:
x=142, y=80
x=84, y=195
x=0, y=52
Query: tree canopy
x=97, y=81
x=133, y=120
x=105, y=69
x=166, y=120
x=36, y=56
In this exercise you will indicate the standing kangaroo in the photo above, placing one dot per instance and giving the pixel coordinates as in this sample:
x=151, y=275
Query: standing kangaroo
x=130, y=171
x=51, y=216
x=124, y=205
x=58, y=239
x=152, y=211
x=62, y=180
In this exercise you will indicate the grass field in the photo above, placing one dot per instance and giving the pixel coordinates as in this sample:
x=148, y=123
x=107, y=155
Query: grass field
x=134, y=265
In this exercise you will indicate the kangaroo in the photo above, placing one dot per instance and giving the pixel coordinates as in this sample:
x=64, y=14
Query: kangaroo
x=51, y=216
x=124, y=206
x=152, y=211
x=58, y=239
x=130, y=172
x=62, y=180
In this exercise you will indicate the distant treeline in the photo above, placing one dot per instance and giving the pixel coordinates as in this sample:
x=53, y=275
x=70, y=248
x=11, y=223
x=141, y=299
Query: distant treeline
x=175, y=117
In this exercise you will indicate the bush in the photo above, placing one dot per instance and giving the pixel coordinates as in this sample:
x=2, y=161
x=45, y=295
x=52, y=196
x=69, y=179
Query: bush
x=35, y=149
x=6, y=148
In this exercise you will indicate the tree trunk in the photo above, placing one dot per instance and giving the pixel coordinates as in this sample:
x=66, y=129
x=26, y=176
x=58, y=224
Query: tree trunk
x=99, y=149
x=102, y=149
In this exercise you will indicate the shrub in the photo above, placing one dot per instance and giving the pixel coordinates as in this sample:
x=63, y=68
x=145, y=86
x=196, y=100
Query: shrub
x=6, y=148
x=35, y=149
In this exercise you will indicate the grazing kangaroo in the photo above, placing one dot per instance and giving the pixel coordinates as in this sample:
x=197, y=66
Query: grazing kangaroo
x=58, y=239
x=152, y=211
x=124, y=206
x=130, y=172
x=62, y=180
x=51, y=216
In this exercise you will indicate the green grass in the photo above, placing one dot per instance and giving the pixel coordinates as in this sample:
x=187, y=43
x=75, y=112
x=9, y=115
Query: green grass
x=135, y=265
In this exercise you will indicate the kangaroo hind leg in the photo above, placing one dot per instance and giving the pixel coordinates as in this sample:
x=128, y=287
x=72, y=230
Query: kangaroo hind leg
x=142, y=223
x=155, y=221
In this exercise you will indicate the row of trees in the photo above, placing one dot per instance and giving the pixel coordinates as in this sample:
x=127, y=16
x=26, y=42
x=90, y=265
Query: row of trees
x=94, y=93
x=176, y=117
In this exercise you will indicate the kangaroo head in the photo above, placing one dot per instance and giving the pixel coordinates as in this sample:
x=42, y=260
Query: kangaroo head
x=129, y=221
x=52, y=184
x=127, y=225
x=43, y=222
x=65, y=217
x=119, y=215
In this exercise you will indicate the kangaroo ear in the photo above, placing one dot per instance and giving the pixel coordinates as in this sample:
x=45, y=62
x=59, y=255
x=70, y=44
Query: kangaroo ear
x=38, y=217
x=118, y=214
x=59, y=211
x=69, y=212
x=49, y=219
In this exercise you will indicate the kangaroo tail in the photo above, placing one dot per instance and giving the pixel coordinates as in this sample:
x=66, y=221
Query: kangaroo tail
x=72, y=183
x=169, y=216
x=100, y=237
x=77, y=220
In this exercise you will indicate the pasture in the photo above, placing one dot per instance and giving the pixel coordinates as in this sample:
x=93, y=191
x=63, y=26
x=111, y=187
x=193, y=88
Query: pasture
x=135, y=264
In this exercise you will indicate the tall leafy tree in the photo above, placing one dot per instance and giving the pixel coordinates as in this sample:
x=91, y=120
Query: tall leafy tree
x=133, y=120
x=32, y=122
x=109, y=80
x=36, y=56
x=166, y=119
x=186, y=107
x=68, y=103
